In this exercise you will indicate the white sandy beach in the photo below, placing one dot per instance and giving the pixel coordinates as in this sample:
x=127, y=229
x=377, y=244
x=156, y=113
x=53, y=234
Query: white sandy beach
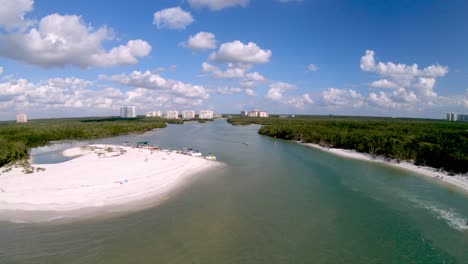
x=459, y=181
x=100, y=175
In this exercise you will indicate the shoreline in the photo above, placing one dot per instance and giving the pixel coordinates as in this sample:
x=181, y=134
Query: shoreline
x=458, y=181
x=98, y=177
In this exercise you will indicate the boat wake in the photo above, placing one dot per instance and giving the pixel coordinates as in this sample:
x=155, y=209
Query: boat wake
x=449, y=215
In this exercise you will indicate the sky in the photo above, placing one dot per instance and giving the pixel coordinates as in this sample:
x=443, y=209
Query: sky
x=343, y=57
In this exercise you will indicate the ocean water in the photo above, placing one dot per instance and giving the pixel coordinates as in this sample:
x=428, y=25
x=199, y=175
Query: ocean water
x=274, y=202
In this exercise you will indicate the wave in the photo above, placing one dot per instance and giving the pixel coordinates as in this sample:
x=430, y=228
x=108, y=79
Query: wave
x=453, y=218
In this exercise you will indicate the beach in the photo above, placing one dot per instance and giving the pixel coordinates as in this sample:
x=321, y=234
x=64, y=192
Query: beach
x=100, y=175
x=458, y=181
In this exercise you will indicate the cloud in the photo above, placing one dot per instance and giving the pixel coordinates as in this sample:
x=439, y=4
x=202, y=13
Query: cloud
x=251, y=92
x=384, y=83
x=342, y=97
x=71, y=96
x=235, y=90
x=237, y=52
x=59, y=41
x=154, y=81
x=236, y=72
x=412, y=87
x=12, y=13
x=312, y=67
x=1, y=69
x=400, y=73
x=201, y=41
x=233, y=71
x=172, y=18
x=252, y=80
x=275, y=93
x=216, y=5
x=307, y=98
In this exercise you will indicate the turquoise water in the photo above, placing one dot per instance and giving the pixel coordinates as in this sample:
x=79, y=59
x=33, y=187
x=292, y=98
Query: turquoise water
x=274, y=202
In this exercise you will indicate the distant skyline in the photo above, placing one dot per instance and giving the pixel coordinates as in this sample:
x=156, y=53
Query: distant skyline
x=342, y=57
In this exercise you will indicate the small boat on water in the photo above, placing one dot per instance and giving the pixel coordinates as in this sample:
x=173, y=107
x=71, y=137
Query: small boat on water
x=245, y=143
x=210, y=157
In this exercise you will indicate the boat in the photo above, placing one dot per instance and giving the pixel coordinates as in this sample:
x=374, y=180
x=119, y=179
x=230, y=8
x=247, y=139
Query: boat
x=194, y=153
x=210, y=157
x=245, y=143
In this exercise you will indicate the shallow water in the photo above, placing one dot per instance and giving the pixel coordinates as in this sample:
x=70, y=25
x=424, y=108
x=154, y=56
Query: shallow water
x=274, y=202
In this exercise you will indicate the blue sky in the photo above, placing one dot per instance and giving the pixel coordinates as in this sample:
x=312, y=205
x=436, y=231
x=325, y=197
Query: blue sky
x=88, y=58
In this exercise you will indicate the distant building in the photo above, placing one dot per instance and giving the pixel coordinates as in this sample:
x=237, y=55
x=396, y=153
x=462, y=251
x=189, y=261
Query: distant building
x=452, y=116
x=243, y=113
x=206, y=114
x=172, y=114
x=188, y=114
x=21, y=118
x=257, y=113
x=128, y=112
x=153, y=114
x=462, y=117
x=253, y=113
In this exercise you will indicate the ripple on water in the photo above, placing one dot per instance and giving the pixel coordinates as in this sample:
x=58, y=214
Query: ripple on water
x=453, y=218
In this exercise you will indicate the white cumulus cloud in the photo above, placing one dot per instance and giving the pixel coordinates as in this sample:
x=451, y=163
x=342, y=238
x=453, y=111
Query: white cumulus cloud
x=401, y=73
x=66, y=40
x=172, y=18
x=342, y=97
x=238, y=52
x=384, y=83
x=71, y=96
x=275, y=93
x=154, y=81
x=12, y=13
x=216, y=5
x=411, y=86
x=201, y=41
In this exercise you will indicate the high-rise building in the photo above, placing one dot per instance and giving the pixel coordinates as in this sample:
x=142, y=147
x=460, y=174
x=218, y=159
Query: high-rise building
x=253, y=113
x=153, y=114
x=206, y=114
x=188, y=114
x=128, y=112
x=172, y=114
x=452, y=116
x=21, y=118
x=256, y=113
x=243, y=113
x=462, y=117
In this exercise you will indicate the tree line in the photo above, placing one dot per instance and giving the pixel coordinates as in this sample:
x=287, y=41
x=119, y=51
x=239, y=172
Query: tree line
x=434, y=143
x=16, y=139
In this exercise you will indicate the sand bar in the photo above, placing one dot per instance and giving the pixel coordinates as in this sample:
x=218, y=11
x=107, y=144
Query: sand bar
x=100, y=175
x=459, y=181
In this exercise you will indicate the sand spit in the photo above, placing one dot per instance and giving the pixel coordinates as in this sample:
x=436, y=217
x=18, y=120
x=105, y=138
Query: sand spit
x=459, y=181
x=99, y=176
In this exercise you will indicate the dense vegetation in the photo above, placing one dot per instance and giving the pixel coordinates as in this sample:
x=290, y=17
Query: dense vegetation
x=17, y=139
x=439, y=144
